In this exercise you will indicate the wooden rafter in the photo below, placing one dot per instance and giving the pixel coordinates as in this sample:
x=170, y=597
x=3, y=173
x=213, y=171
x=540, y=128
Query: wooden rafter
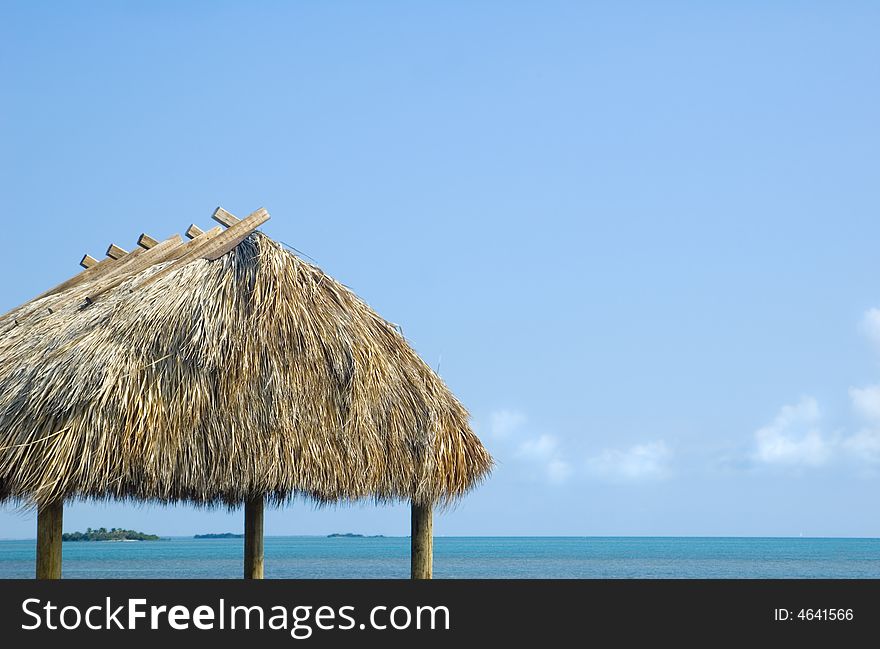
x=120, y=265
x=215, y=247
x=146, y=241
x=158, y=254
x=105, y=265
x=224, y=218
x=115, y=252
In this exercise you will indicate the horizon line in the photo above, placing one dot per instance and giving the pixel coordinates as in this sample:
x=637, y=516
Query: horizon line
x=495, y=536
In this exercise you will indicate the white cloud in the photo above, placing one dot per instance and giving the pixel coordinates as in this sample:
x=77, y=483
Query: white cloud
x=558, y=471
x=539, y=448
x=870, y=326
x=864, y=445
x=544, y=452
x=866, y=401
x=502, y=423
x=793, y=437
x=546, y=457
x=640, y=462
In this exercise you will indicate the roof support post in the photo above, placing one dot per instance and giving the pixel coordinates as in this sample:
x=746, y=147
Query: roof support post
x=422, y=539
x=253, y=538
x=49, y=522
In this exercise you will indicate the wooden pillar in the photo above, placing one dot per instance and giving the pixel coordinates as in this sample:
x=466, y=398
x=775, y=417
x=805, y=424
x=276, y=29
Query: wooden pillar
x=422, y=539
x=49, y=522
x=253, y=538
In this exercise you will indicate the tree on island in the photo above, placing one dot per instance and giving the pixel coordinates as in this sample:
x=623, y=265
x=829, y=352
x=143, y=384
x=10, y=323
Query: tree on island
x=103, y=534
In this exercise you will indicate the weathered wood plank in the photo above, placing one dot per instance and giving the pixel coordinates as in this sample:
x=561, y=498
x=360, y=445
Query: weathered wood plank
x=182, y=251
x=161, y=252
x=193, y=231
x=88, y=261
x=199, y=241
x=120, y=264
x=146, y=241
x=106, y=265
x=115, y=252
x=215, y=247
x=220, y=248
x=224, y=218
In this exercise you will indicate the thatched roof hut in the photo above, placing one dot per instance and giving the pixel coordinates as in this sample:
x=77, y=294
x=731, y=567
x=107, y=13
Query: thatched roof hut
x=215, y=371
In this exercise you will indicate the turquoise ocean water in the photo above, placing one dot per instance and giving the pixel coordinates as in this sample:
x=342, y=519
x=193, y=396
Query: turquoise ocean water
x=466, y=557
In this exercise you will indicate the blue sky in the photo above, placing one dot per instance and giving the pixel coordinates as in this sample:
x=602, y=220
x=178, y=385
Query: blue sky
x=639, y=241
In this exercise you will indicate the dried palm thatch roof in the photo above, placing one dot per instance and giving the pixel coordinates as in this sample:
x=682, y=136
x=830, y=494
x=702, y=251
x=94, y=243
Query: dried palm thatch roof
x=213, y=370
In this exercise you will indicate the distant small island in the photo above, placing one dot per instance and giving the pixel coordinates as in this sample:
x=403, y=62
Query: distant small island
x=113, y=534
x=224, y=535
x=349, y=535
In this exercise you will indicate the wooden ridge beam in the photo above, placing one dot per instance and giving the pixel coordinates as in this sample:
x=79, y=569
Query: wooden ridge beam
x=169, y=250
x=178, y=253
x=215, y=247
x=124, y=268
x=236, y=234
x=158, y=254
x=199, y=240
x=120, y=264
x=105, y=265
